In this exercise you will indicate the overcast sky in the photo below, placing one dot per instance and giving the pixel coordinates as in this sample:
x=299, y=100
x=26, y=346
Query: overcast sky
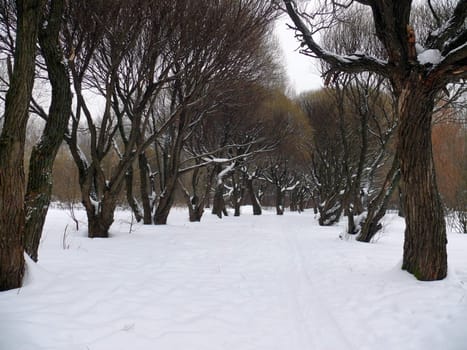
x=301, y=70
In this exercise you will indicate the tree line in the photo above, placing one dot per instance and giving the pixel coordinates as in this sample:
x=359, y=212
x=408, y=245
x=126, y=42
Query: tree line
x=157, y=70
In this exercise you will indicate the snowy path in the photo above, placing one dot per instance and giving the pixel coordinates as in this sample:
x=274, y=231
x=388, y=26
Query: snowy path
x=239, y=283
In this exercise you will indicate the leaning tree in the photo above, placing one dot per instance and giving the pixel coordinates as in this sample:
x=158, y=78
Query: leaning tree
x=418, y=72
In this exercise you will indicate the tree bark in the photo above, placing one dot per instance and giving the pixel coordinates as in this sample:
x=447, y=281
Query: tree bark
x=425, y=234
x=99, y=223
x=351, y=229
x=331, y=211
x=163, y=209
x=132, y=202
x=401, y=211
x=377, y=207
x=100, y=216
x=279, y=201
x=218, y=203
x=195, y=210
x=237, y=208
x=166, y=201
x=145, y=188
x=254, y=200
x=39, y=188
x=195, y=202
x=296, y=199
x=195, y=207
x=238, y=191
x=12, y=140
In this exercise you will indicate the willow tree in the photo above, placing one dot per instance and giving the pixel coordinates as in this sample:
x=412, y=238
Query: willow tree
x=418, y=71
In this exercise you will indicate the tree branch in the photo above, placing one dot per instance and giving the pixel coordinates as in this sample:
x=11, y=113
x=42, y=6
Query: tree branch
x=455, y=42
x=347, y=63
x=433, y=12
x=438, y=38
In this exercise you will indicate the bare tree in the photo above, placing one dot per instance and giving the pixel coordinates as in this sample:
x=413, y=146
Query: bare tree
x=418, y=73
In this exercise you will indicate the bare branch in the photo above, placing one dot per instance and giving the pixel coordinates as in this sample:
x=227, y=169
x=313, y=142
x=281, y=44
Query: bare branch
x=441, y=36
x=354, y=63
x=433, y=12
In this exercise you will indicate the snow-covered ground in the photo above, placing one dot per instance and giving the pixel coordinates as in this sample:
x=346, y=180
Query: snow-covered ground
x=265, y=282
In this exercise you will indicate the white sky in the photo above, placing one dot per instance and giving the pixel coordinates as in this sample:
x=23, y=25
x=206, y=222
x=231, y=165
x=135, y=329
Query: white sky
x=301, y=70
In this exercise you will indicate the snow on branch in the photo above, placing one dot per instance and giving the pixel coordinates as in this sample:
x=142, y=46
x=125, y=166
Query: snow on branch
x=457, y=55
x=441, y=37
x=354, y=63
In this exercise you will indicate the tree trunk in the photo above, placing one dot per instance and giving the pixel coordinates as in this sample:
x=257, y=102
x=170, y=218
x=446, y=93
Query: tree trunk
x=99, y=224
x=314, y=204
x=163, y=209
x=331, y=211
x=401, y=211
x=351, y=229
x=12, y=139
x=166, y=201
x=352, y=205
x=132, y=202
x=254, y=200
x=39, y=189
x=237, y=208
x=425, y=234
x=218, y=203
x=100, y=216
x=99, y=201
x=145, y=188
x=279, y=201
x=295, y=199
x=237, y=194
x=301, y=203
x=195, y=208
x=195, y=213
x=377, y=207
x=235, y=200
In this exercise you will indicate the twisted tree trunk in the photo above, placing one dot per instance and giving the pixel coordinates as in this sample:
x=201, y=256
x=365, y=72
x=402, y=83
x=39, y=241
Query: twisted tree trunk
x=39, y=189
x=425, y=234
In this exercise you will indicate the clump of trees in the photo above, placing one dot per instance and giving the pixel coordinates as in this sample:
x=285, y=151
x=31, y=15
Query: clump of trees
x=353, y=125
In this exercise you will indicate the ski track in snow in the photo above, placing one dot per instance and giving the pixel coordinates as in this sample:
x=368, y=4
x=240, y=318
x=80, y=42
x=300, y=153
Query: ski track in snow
x=269, y=282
